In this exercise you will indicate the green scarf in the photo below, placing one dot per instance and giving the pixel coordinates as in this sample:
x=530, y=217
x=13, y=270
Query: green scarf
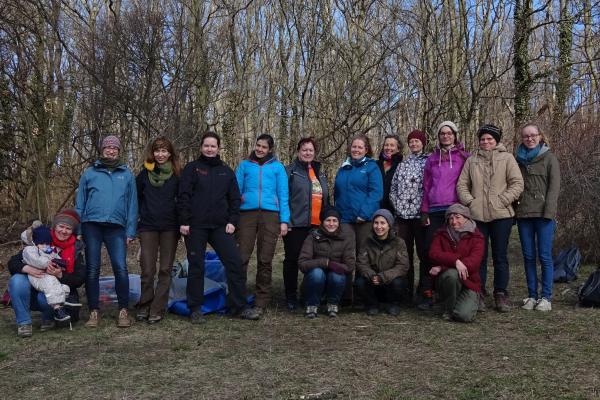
x=159, y=174
x=109, y=163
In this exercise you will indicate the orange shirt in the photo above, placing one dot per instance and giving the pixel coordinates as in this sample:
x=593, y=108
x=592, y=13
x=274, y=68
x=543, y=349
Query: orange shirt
x=316, y=197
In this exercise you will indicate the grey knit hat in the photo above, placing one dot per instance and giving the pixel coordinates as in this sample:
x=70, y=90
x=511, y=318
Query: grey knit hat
x=382, y=212
x=458, y=208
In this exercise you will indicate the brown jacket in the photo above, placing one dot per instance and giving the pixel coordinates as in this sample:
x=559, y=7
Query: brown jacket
x=320, y=247
x=489, y=183
x=386, y=258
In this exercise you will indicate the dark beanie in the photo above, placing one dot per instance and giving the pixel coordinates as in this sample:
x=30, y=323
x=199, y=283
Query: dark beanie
x=382, y=212
x=67, y=217
x=330, y=212
x=492, y=130
x=41, y=235
x=417, y=134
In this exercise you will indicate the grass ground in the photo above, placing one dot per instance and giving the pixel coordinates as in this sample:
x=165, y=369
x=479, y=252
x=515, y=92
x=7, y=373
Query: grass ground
x=519, y=355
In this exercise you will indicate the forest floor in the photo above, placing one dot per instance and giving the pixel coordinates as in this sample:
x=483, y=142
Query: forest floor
x=518, y=355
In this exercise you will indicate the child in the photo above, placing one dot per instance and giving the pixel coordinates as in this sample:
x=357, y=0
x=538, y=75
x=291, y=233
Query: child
x=40, y=255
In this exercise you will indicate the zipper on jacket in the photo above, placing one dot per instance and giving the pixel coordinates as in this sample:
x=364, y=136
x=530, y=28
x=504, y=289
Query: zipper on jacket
x=260, y=184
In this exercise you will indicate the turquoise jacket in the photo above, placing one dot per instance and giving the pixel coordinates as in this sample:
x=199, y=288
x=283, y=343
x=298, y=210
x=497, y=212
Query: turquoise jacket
x=264, y=187
x=111, y=197
x=358, y=190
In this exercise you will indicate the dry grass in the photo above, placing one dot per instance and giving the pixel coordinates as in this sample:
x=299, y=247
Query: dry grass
x=520, y=355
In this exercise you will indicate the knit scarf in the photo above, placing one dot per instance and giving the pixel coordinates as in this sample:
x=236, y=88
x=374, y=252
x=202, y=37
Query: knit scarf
x=525, y=155
x=67, y=250
x=110, y=163
x=456, y=234
x=158, y=174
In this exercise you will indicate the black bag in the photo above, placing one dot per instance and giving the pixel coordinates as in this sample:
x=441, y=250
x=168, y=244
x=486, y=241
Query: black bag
x=589, y=293
x=566, y=265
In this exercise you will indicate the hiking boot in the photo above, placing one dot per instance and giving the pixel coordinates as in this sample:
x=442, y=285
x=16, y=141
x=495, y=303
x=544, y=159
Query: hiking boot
x=372, y=311
x=426, y=303
x=24, y=330
x=93, y=319
x=250, y=314
x=154, y=319
x=197, y=318
x=446, y=316
x=332, y=310
x=502, y=302
x=311, y=312
x=393, y=310
x=47, y=325
x=543, y=304
x=292, y=305
x=123, y=320
x=481, y=307
x=72, y=300
x=142, y=313
x=529, y=303
x=61, y=315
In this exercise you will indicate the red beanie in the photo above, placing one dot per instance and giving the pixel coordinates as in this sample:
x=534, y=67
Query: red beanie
x=417, y=134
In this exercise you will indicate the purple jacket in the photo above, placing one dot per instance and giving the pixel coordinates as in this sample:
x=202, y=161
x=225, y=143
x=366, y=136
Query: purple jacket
x=440, y=176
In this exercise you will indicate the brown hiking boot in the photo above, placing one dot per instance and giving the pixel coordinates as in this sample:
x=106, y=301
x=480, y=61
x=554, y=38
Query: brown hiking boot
x=123, y=320
x=93, y=320
x=502, y=302
x=481, y=303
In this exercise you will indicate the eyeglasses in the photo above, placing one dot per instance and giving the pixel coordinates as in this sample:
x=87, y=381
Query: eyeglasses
x=530, y=137
x=446, y=133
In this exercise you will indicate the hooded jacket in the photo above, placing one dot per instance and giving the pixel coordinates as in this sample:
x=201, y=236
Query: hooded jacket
x=264, y=187
x=387, y=258
x=542, y=186
x=406, y=191
x=358, y=189
x=300, y=192
x=489, y=183
x=108, y=196
x=442, y=170
x=320, y=247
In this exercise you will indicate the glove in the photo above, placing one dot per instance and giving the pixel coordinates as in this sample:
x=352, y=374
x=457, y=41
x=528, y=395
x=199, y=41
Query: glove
x=337, y=267
x=370, y=274
x=424, y=218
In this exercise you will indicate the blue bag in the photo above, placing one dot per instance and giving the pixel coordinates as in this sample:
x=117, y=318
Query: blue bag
x=566, y=265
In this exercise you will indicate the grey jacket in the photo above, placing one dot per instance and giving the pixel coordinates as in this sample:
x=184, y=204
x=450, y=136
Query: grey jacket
x=300, y=190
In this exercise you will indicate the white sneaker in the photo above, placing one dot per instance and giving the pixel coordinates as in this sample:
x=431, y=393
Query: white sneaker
x=529, y=303
x=543, y=305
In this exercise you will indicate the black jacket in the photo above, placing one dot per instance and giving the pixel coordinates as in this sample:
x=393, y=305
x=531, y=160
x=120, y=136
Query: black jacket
x=209, y=195
x=157, y=205
x=73, y=280
x=300, y=191
x=387, y=180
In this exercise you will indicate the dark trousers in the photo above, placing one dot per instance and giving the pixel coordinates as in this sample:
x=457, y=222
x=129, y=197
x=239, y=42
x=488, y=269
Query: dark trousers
x=361, y=233
x=436, y=221
x=497, y=232
x=225, y=247
x=156, y=299
x=292, y=244
x=393, y=292
x=413, y=233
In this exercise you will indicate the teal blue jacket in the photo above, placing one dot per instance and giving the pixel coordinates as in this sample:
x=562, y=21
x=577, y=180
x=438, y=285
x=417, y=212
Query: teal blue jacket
x=111, y=197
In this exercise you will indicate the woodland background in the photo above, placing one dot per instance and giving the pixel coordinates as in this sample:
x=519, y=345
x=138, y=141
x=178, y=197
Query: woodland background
x=74, y=71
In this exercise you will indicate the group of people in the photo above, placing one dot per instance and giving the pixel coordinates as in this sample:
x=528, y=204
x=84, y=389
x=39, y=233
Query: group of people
x=358, y=247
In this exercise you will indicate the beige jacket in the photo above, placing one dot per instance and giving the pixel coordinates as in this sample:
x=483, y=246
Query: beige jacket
x=489, y=183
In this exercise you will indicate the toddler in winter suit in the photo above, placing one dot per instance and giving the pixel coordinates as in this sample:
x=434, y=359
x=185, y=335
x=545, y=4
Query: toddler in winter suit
x=38, y=255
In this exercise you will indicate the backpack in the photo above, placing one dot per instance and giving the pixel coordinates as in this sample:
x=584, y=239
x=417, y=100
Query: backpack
x=589, y=292
x=566, y=265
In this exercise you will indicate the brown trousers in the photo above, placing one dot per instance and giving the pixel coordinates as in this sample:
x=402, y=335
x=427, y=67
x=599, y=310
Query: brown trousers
x=151, y=241
x=260, y=227
x=361, y=233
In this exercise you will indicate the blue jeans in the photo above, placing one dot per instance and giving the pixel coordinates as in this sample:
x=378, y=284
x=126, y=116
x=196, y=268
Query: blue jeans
x=114, y=237
x=497, y=232
x=24, y=299
x=318, y=280
x=541, y=229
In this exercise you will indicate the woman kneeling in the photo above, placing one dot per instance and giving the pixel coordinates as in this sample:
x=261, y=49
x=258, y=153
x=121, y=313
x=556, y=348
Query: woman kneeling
x=382, y=266
x=456, y=253
x=326, y=259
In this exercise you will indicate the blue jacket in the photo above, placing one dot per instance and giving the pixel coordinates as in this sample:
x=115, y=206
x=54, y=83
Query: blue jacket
x=358, y=190
x=105, y=196
x=264, y=187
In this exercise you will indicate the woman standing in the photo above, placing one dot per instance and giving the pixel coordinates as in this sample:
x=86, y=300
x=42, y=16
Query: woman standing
x=328, y=256
x=405, y=196
x=442, y=170
x=265, y=212
x=107, y=204
x=389, y=159
x=309, y=194
x=382, y=265
x=489, y=183
x=358, y=188
x=158, y=227
x=456, y=253
x=536, y=213
x=209, y=211
x=24, y=298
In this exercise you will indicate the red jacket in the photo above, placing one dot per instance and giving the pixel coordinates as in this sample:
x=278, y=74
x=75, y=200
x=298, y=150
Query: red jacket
x=444, y=253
